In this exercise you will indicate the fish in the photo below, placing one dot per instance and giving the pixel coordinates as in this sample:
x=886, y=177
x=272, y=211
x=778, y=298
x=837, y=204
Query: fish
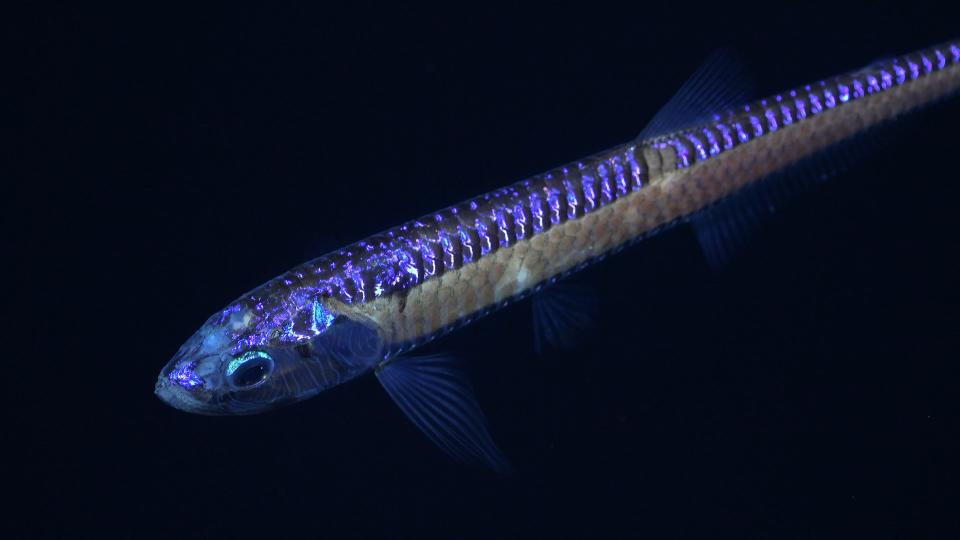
x=709, y=158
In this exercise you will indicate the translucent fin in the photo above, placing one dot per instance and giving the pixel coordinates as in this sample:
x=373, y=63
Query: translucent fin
x=720, y=83
x=725, y=229
x=562, y=314
x=436, y=396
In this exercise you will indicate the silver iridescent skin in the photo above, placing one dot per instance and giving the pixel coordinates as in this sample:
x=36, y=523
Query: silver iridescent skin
x=348, y=312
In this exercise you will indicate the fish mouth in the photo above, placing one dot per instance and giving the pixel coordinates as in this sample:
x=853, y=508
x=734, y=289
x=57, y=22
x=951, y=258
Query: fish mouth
x=186, y=400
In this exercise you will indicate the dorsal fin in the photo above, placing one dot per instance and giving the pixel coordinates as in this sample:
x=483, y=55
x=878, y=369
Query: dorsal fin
x=720, y=83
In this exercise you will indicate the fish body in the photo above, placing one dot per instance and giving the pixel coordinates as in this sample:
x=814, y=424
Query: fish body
x=357, y=309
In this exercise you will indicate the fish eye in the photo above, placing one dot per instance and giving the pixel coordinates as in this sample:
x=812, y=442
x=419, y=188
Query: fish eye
x=249, y=369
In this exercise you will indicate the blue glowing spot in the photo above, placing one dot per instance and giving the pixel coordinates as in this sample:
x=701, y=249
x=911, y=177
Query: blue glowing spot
x=429, y=258
x=815, y=107
x=243, y=359
x=322, y=319
x=536, y=210
x=801, y=107
x=746, y=108
x=446, y=245
x=572, y=202
x=927, y=65
x=185, y=377
x=589, y=193
x=872, y=84
x=829, y=100
x=955, y=52
x=359, y=286
x=411, y=269
x=727, y=136
x=712, y=142
x=500, y=218
x=467, y=244
x=683, y=156
x=941, y=59
x=378, y=289
x=886, y=80
x=289, y=334
x=698, y=145
x=900, y=74
x=636, y=171
x=603, y=173
x=621, y=178
x=793, y=93
x=606, y=190
x=741, y=133
x=779, y=98
x=553, y=201
x=483, y=233
x=858, y=91
x=844, y=93
x=771, y=120
x=914, y=69
x=787, y=115
x=520, y=219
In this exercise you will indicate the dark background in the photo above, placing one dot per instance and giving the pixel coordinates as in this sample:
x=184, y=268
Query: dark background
x=168, y=160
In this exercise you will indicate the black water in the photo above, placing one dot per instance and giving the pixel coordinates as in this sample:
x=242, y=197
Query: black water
x=168, y=160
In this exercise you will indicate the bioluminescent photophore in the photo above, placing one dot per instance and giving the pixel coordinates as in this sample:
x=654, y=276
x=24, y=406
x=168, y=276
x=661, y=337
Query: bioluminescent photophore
x=363, y=308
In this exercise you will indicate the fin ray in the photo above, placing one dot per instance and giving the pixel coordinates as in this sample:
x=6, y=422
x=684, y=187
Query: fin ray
x=562, y=313
x=437, y=398
x=721, y=82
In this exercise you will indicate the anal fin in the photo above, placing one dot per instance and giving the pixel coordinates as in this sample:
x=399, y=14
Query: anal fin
x=562, y=314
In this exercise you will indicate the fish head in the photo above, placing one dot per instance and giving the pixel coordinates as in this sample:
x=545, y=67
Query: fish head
x=249, y=358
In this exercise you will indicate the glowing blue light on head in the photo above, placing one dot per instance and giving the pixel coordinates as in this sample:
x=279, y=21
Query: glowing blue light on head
x=322, y=319
x=185, y=377
x=243, y=359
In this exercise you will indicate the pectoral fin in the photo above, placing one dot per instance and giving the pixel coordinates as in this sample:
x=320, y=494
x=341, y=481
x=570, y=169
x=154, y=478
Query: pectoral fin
x=436, y=396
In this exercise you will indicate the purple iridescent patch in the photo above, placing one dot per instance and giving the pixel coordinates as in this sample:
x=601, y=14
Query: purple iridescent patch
x=185, y=377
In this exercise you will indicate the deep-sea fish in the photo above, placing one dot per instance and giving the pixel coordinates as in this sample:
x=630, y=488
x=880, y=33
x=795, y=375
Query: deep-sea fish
x=363, y=308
